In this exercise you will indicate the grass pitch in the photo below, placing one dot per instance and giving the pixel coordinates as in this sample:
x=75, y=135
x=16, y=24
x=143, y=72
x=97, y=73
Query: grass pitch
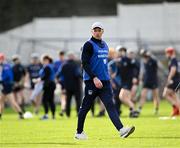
x=151, y=132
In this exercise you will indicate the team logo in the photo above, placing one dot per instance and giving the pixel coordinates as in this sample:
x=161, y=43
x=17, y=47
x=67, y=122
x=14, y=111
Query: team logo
x=90, y=92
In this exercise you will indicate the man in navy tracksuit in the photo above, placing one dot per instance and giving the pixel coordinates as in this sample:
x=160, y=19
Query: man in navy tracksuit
x=97, y=82
x=48, y=77
x=71, y=72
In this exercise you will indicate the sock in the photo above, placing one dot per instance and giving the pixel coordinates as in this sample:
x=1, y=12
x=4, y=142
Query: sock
x=22, y=107
x=140, y=108
x=53, y=115
x=20, y=113
x=131, y=109
x=102, y=112
x=157, y=108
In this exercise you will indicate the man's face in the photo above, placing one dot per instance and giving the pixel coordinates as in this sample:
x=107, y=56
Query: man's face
x=122, y=53
x=145, y=59
x=16, y=61
x=35, y=61
x=1, y=61
x=168, y=55
x=71, y=57
x=45, y=61
x=61, y=57
x=112, y=54
x=97, y=33
x=132, y=55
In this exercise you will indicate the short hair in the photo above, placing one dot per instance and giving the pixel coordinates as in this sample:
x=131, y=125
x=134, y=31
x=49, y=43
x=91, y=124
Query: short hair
x=46, y=57
x=123, y=49
x=61, y=53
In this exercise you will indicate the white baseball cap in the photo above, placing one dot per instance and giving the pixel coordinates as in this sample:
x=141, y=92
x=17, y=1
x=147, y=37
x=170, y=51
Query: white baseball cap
x=97, y=25
x=130, y=50
x=118, y=47
x=15, y=56
x=34, y=55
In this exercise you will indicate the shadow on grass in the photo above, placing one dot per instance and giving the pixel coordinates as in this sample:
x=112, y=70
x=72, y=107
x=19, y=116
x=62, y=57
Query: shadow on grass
x=141, y=137
x=41, y=143
x=141, y=116
x=149, y=116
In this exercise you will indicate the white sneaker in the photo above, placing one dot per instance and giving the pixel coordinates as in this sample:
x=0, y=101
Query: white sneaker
x=126, y=131
x=81, y=136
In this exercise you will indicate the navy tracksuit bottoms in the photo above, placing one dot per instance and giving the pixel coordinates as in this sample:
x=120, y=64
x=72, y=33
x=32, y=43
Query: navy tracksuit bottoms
x=106, y=96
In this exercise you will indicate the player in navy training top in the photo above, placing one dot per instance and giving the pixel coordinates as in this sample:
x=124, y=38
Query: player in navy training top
x=49, y=86
x=6, y=81
x=115, y=77
x=57, y=67
x=126, y=68
x=173, y=81
x=136, y=72
x=19, y=73
x=150, y=80
x=33, y=71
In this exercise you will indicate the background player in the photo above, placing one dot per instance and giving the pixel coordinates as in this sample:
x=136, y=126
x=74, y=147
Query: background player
x=173, y=81
x=126, y=68
x=6, y=80
x=150, y=80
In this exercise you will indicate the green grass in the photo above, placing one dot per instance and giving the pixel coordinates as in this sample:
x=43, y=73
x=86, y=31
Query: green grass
x=150, y=131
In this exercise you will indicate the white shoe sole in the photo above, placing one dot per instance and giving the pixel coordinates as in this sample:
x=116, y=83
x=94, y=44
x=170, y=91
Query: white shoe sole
x=129, y=132
x=77, y=138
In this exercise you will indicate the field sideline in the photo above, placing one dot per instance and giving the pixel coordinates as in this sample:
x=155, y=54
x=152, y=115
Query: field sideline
x=151, y=132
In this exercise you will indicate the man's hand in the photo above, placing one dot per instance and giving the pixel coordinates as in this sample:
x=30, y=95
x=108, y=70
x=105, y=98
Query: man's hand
x=169, y=82
x=164, y=92
x=97, y=83
x=134, y=81
x=36, y=80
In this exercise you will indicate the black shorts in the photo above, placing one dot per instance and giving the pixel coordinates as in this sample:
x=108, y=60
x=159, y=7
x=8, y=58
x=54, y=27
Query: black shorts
x=126, y=85
x=49, y=85
x=62, y=85
x=116, y=92
x=7, y=89
x=175, y=86
x=150, y=85
x=32, y=85
x=17, y=88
